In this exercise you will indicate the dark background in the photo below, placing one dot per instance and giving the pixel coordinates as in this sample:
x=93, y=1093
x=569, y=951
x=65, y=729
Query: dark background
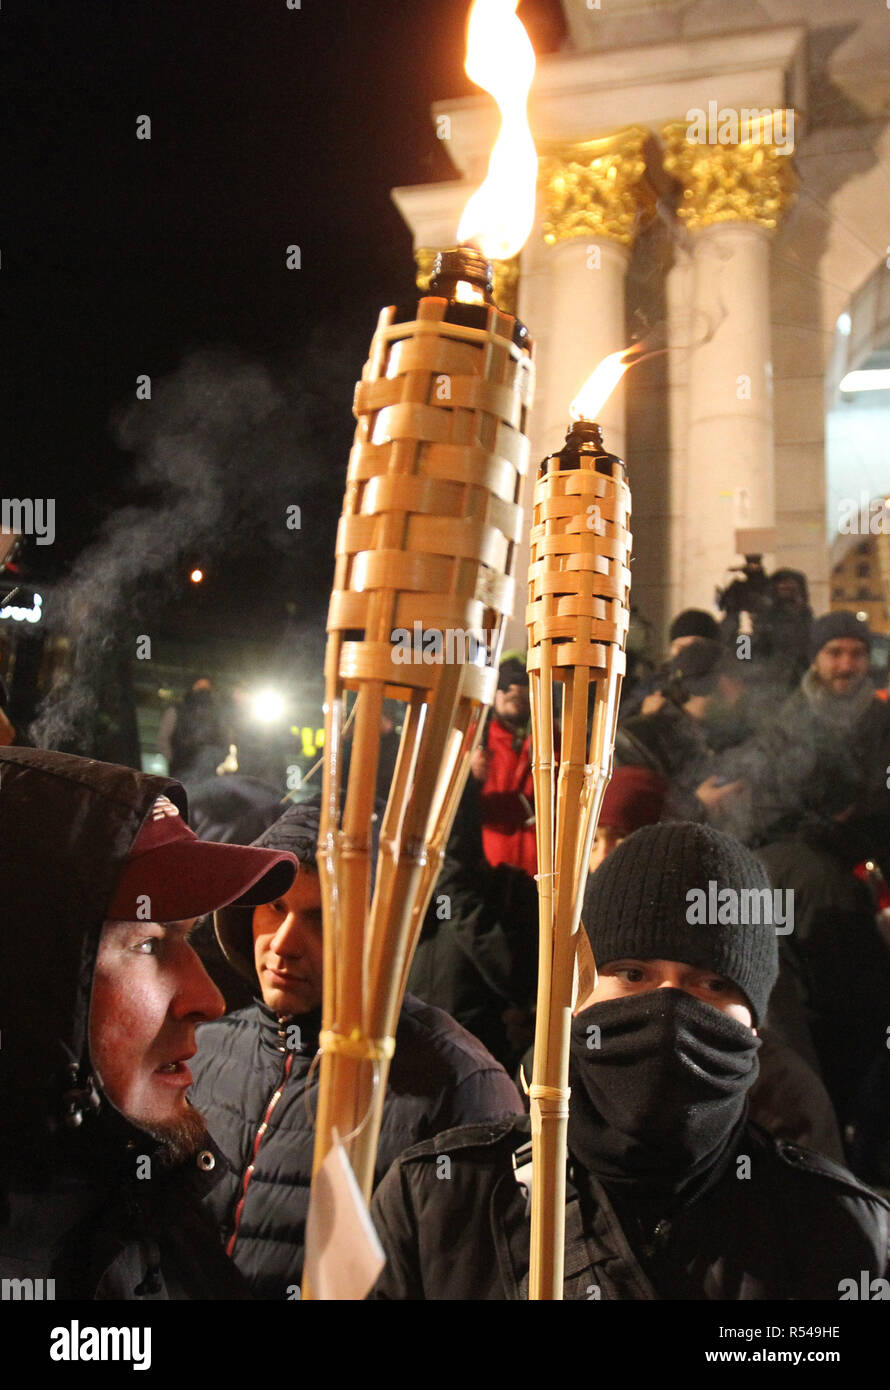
x=166, y=256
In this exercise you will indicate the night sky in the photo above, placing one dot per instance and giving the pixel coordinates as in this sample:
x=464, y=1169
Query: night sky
x=122, y=256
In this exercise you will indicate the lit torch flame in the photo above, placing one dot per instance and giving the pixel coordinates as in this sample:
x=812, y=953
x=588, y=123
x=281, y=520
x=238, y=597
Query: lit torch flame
x=601, y=383
x=500, y=58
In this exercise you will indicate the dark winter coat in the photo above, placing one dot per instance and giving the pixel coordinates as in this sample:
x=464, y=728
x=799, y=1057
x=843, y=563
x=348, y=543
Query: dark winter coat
x=805, y=771
x=478, y=948
x=454, y=1225
x=73, y=1206
x=440, y=1076
x=837, y=955
x=675, y=745
x=789, y=1099
x=198, y=741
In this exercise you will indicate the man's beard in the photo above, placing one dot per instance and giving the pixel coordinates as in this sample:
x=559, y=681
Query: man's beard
x=181, y=1139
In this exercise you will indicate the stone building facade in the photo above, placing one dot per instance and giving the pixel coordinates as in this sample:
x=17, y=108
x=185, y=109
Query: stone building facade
x=738, y=249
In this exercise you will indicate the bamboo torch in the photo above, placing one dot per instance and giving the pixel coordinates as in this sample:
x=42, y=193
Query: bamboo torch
x=423, y=585
x=577, y=618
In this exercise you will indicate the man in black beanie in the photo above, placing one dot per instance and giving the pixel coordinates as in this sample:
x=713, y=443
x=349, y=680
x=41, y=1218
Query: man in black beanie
x=687, y=629
x=692, y=625
x=253, y=1072
x=824, y=759
x=672, y=1192
x=820, y=818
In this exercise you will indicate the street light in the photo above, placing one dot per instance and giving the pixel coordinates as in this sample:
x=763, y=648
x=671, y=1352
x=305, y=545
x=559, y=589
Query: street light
x=267, y=706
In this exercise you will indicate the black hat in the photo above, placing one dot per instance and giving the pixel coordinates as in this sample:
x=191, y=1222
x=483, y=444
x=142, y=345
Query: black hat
x=779, y=576
x=694, y=622
x=699, y=665
x=512, y=671
x=658, y=897
x=831, y=626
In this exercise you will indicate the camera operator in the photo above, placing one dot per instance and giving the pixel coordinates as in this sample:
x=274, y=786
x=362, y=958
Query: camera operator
x=773, y=612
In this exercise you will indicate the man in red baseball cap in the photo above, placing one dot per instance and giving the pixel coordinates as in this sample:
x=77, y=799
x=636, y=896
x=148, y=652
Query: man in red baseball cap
x=149, y=987
x=169, y=874
x=101, y=882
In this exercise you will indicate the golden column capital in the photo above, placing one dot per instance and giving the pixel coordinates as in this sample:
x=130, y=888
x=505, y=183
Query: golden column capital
x=505, y=284
x=424, y=260
x=749, y=180
x=596, y=188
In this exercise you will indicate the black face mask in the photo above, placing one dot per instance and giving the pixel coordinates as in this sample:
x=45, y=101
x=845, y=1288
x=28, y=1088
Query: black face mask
x=660, y=1101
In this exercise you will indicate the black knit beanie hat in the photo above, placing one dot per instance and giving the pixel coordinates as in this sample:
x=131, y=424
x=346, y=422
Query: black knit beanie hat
x=512, y=671
x=658, y=897
x=831, y=626
x=699, y=666
x=694, y=622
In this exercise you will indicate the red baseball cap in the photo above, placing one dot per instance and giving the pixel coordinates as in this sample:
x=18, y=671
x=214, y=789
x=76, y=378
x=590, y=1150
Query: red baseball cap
x=171, y=875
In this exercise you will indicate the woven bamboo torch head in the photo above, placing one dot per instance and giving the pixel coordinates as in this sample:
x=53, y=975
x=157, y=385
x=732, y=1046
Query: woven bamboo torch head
x=579, y=576
x=431, y=518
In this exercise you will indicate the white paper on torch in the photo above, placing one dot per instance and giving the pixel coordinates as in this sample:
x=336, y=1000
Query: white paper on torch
x=343, y=1254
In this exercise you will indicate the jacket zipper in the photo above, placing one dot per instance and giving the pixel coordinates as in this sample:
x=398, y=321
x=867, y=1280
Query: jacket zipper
x=258, y=1139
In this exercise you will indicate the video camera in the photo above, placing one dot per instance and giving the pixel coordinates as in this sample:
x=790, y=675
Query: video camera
x=753, y=593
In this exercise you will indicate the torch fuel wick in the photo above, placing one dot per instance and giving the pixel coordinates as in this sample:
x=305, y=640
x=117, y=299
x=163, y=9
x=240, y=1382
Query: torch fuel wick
x=584, y=448
x=463, y=273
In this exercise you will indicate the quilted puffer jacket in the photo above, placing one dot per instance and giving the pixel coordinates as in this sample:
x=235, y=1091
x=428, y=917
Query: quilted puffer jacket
x=251, y=1074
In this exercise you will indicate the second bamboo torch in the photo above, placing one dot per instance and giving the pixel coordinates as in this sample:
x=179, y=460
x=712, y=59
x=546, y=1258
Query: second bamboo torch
x=577, y=617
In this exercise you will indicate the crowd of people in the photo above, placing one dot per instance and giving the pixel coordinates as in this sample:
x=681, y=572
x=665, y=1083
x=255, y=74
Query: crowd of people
x=729, y=1061
x=790, y=755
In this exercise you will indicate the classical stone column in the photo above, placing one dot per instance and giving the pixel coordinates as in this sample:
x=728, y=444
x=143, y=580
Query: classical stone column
x=679, y=293
x=733, y=197
x=595, y=198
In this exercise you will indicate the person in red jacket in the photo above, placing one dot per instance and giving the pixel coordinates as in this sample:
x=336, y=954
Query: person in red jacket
x=503, y=765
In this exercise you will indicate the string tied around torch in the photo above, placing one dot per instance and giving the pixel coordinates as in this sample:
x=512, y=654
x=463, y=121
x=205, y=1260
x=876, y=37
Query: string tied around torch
x=555, y=1098
x=356, y=1045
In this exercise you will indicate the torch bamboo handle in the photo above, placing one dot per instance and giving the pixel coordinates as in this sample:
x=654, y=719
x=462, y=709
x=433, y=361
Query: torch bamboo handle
x=577, y=620
x=427, y=540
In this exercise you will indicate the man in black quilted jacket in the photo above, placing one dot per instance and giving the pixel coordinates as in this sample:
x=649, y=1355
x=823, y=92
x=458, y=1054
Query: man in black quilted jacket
x=252, y=1073
x=672, y=1192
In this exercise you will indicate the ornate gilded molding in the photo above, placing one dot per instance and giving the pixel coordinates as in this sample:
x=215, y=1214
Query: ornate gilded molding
x=506, y=284
x=749, y=181
x=506, y=276
x=596, y=188
x=424, y=260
